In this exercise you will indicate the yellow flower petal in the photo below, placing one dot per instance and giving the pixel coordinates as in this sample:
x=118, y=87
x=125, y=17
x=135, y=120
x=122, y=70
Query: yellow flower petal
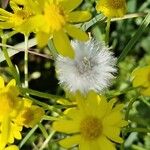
x=66, y=126
x=4, y=132
x=112, y=119
x=2, y=84
x=78, y=16
x=145, y=91
x=76, y=33
x=69, y=6
x=141, y=77
x=89, y=145
x=14, y=132
x=5, y=25
x=62, y=44
x=84, y=145
x=5, y=13
x=12, y=147
x=105, y=144
x=70, y=141
x=113, y=133
x=42, y=38
x=11, y=83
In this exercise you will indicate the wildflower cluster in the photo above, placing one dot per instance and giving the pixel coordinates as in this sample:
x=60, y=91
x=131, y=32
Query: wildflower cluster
x=89, y=116
x=15, y=112
x=58, y=17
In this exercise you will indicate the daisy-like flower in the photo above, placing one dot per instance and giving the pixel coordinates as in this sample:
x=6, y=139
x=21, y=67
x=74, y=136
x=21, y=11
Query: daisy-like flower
x=112, y=8
x=94, y=123
x=91, y=69
x=58, y=23
x=141, y=78
x=23, y=19
x=30, y=115
x=13, y=107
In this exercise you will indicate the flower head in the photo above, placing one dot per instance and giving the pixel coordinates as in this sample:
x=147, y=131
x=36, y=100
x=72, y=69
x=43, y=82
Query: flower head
x=112, y=8
x=91, y=69
x=15, y=112
x=23, y=19
x=30, y=114
x=58, y=22
x=94, y=123
x=141, y=78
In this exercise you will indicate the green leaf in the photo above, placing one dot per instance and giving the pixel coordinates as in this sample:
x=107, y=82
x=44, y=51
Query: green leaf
x=135, y=38
x=93, y=21
x=17, y=48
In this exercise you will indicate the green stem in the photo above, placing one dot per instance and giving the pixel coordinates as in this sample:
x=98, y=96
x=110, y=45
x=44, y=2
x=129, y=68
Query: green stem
x=127, y=117
x=47, y=140
x=26, y=138
x=144, y=130
x=44, y=105
x=7, y=58
x=26, y=62
x=113, y=93
x=107, y=31
x=129, y=108
x=39, y=94
x=136, y=147
x=45, y=134
x=45, y=117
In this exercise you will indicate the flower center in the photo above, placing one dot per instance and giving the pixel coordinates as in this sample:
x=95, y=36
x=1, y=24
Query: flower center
x=84, y=65
x=54, y=17
x=116, y=4
x=20, y=16
x=90, y=128
x=28, y=116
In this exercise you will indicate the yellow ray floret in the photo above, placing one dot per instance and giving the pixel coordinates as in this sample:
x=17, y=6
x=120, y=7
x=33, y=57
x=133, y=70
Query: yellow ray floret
x=141, y=78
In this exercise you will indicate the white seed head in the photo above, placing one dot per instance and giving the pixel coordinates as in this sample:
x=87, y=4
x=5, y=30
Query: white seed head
x=91, y=69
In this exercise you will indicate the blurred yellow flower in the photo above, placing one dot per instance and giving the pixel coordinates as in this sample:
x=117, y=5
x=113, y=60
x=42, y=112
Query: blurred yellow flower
x=93, y=124
x=15, y=112
x=58, y=21
x=23, y=19
x=112, y=8
x=30, y=115
x=141, y=78
x=48, y=19
x=10, y=103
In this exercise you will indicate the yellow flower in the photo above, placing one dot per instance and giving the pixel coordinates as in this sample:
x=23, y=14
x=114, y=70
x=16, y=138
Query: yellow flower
x=141, y=78
x=9, y=98
x=23, y=19
x=58, y=21
x=30, y=115
x=93, y=124
x=112, y=8
x=15, y=112
x=10, y=104
x=48, y=19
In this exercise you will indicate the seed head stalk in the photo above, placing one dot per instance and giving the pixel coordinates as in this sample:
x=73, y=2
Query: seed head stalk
x=26, y=84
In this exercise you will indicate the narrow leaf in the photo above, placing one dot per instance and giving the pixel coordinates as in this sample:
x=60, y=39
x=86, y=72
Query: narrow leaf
x=135, y=38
